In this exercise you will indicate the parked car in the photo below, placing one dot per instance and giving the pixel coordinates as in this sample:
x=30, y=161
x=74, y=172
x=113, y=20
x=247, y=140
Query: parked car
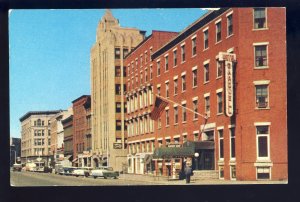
x=84, y=171
x=68, y=170
x=106, y=172
x=58, y=169
x=17, y=167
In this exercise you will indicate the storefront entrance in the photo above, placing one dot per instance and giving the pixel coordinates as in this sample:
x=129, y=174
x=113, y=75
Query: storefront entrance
x=206, y=160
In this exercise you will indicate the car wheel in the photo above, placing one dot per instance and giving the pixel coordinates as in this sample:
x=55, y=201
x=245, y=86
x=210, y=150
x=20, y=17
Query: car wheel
x=115, y=178
x=105, y=177
x=95, y=177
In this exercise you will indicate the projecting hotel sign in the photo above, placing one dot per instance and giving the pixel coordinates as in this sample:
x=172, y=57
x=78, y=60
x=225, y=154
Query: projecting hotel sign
x=229, y=59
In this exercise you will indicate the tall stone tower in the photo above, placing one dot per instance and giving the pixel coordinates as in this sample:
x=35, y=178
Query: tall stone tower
x=108, y=75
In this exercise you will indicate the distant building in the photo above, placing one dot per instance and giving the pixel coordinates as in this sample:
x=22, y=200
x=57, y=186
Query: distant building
x=15, y=150
x=67, y=123
x=82, y=131
x=108, y=84
x=36, y=136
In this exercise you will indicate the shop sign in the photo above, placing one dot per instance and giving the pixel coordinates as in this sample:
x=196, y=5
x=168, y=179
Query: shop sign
x=117, y=145
x=174, y=145
x=229, y=59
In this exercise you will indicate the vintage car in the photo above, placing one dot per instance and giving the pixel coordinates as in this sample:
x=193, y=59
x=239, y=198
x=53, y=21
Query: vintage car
x=67, y=171
x=17, y=167
x=106, y=172
x=83, y=171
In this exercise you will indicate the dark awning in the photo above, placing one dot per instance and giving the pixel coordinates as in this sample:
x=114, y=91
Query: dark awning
x=172, y=152
x=200, y=145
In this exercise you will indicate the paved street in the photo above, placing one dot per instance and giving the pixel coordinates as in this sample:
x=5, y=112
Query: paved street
x=47, y=179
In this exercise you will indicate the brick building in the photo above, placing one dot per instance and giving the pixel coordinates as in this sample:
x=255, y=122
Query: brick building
x=67, y=123
x=139, y=74
x=231, y=66
x=81, y=131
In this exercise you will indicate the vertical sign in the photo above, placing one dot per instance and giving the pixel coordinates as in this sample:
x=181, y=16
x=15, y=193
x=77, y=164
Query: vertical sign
x=229, y=59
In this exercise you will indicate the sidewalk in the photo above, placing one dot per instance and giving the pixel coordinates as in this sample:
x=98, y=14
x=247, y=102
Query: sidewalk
x=163, y=180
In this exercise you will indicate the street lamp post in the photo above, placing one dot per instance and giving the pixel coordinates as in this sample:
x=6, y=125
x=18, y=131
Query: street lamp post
x=196, y=160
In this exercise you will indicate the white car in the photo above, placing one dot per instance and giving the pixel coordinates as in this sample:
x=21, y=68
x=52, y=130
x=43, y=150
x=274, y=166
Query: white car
x=84, y=171
x=104, y=172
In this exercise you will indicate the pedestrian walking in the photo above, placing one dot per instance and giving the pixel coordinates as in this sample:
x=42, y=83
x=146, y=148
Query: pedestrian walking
x=188, y=173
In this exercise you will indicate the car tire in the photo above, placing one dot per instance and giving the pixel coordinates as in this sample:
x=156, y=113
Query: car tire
x=95, y=177
x=105, y=177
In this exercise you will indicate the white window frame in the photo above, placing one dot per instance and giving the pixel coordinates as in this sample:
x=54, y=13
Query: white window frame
x=267, y=53
x=194, y=45
x=182, y=47
x=230, y=143
x=227, y=26
x=219, y=142
x=217, y=22
x=204, y=31
x=266, y=17
x=268, y=141
x=262, y=83
x=175, y=50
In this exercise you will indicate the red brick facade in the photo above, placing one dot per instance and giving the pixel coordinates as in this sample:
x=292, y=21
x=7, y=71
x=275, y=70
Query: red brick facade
x=256, y=147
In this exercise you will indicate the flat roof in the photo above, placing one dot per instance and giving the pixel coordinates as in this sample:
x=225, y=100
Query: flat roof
x=28, y=114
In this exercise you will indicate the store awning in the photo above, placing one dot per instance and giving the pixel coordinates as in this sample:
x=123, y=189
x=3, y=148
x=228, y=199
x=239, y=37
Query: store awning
x=173, y=152
x=196, y=145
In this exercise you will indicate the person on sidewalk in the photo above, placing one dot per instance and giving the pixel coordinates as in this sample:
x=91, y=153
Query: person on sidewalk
x=188, y=172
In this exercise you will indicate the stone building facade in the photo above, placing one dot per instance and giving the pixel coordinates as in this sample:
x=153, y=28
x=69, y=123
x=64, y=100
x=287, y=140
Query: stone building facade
x=36, y=135
x=67, y=123
x=108, y=83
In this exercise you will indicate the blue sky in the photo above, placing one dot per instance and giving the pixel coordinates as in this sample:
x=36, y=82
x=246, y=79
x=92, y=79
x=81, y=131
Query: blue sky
x=50, y=52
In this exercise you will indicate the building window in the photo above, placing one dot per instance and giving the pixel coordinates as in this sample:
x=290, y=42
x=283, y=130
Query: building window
x=195, y=83
x=218, y=32
x=262, y=135
x=263, y=173
x=158, y=68
x=175, y=115
x=175, y=57
x=205, y=39
x=175, y=86
x=118, y=89
x=219, y=69
x=158, y=90
x=117, y=71
x=259, y=18
x=182, y=53
x=146, y=75
x=117, y=53
x=221, y=172
x=167, y=89
x=207, y=105
x=125, y=52
x=261, y=56
x=141, y=60
x=233, y=172
x=229, y=25
x=220, y=102
x=184, y=138
x=167, y=118
x=196, y=136
x=194, y=47
x=124, y=72
x=146, y=57
x=195, y=107
x=221, y=144
x=232, y=143
x=183, y=82
x=118, y=107
x=206, y=72
x=39, y=122
x=151, y=72
x=141, y=99
x=184, y=113
x=167, y=63
x=141, y=77
x=261, y=96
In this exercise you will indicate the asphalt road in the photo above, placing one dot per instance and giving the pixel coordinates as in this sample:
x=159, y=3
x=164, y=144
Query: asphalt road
x=32, y=179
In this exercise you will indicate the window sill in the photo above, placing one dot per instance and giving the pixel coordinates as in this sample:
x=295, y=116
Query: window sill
x=219, y=114
x=219, y=77
x=183, y=62
x=263, y=163
x=175, y=66
x=167, y=126
x=206, y=82
x=175, y=124
x=260, y=29
x=262, y=67
x=266, y=108
x=183, y=91
x=221, y=162
x=195, y=87
x=218, y=42
x=194, y=56
x=232, y=162
x=229, y=36
x=195, y=119
x=205, y=49
x=184, y=122
x=166, y=71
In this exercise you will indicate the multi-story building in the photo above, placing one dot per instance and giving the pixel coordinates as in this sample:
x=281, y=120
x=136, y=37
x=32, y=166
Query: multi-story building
x=67, y=123
x=139, y=98
x=108, y=83
x=229, y=65
x=15, y=150
x=35, y=136
x=81, y=134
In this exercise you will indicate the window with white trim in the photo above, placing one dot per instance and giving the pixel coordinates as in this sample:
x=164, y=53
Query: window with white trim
x=229, y=25
x=261, y=57
x=232, y=142
x=151, y=72
x=221, y=172
x=195, y=83
x=167, y=89
x=184, y=118
x=167, y=63
x=183, y=83
x=219, y=69
x=218, y=31
x=175, y=86
x=207, y=105
x=195, y=107
x=194, y=47
x=262, y=138
x=259, y=18
x=233, y=172
x=158, y=90
x=262, y=97
x=182, y=53
x=174, y=58
x=205, y=33
x=176, y=115
x=196, y=136
x=221, y=144
x=220, y=103
x=206, y=72
x=167, y=117
x=263, y=173
x=158, y=68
